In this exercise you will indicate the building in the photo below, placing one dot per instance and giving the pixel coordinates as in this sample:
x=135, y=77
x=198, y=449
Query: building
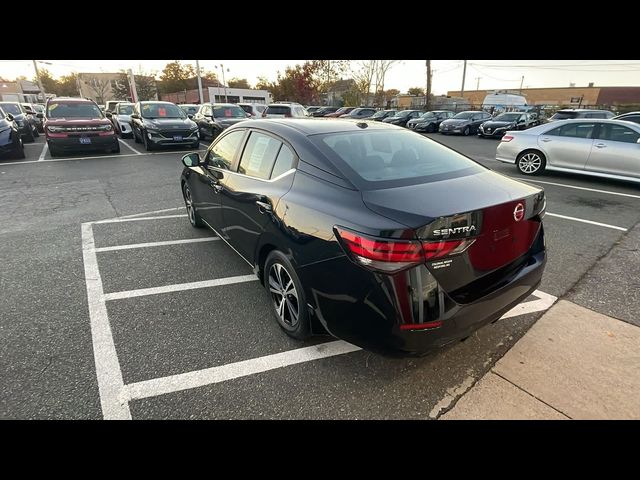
x=20, y=91
x=223, y=94
x=564, y=96
x=101, y=87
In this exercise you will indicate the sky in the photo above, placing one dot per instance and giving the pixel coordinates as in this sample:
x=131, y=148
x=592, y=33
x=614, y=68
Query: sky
x=447, y=74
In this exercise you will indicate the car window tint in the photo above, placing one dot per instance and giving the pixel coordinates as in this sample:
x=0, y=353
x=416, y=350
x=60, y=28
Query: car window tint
x=631, y=118
x=284, y=162
x=576, y=130
x=223, y=152
x=259, y=155
x=618, y=133
x=395, y=157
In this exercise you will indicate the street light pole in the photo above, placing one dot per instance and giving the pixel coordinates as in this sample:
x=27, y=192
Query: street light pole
x=464, y=73
x=226, y=100
x=199, y=82
x=44, y=96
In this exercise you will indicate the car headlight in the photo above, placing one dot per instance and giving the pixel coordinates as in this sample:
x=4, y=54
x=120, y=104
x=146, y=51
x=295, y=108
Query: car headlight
x=150, y=126
x=54, y=129
x=105, y=128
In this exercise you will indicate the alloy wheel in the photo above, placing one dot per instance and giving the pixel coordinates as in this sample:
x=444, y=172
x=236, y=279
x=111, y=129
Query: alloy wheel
x=284, y=295
x=189, y=204
x=530, y=163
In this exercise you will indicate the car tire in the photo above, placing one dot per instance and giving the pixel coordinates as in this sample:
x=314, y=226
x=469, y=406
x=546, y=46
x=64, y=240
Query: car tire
x=53, y=151
x=531, y=162
x=29, y=136
x=148, y=146
x=287, y=296
x=116, y=148
x=136, y=139
x=19, y=152
x=431, y=128
x=192, y=213
x=36, y=134
x=466, y=131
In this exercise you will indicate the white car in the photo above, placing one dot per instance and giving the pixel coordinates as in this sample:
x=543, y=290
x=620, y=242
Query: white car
x=601, y=148
x=285, y=110
x=122, y=118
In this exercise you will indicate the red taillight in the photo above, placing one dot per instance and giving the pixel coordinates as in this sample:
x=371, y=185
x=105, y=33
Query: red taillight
x=394, y=255
x=507, y=138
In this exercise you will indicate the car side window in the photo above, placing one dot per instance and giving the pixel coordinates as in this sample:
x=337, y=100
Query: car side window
x=284, y=161
x=631, y=118
x=617, y=133
x=575, y=130
x=221, y=155
x=259, y=156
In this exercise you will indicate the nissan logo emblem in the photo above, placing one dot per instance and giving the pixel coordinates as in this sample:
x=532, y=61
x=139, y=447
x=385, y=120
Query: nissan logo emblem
x=518, y=212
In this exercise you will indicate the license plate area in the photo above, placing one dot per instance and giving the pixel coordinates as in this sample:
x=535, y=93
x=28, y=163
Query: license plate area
x=177, y=138
x=85, y=140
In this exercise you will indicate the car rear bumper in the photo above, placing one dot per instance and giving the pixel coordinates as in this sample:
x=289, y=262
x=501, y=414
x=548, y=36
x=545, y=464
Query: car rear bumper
x=366, y=309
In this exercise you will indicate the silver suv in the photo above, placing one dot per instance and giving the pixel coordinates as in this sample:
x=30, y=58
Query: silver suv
x=254, y=109
x=285, y=110
x=573, y=113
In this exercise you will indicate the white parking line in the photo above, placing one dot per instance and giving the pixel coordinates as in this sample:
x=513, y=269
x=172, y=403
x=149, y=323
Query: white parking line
x=582, y=220
x=155, y=244
x=199, y=378
x=138, y=219
x=583, y=188
x=110, y=383
x=179, y=287
x=129, y=147
x=120, y=155
x=151, y=212
x=543, y=303
x=44, y=151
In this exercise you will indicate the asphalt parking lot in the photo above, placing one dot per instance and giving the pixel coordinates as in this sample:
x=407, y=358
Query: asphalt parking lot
x=114, y=307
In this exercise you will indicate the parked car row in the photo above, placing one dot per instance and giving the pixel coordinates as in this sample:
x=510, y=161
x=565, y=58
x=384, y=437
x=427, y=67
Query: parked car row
x=26, y=120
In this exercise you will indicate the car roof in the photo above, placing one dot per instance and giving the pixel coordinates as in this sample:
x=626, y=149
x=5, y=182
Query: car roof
x=70, y=100
x=317, y=126
x=627, y=114
x=581, y=110
x=157, y=101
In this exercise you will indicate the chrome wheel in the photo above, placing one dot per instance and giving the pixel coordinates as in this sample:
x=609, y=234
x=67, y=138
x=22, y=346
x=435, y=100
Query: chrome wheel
x=529, y=163
x=284, y=295
x=189, y=203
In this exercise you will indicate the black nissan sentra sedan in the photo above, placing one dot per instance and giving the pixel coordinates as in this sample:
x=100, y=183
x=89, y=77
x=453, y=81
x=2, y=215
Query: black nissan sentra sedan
x=387, y=239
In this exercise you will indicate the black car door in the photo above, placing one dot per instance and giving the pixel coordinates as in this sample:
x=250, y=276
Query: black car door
x=251, y=195
x=209, y=186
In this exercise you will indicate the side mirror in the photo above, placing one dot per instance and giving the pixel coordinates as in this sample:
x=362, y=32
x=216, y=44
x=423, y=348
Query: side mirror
x=40, y=115
x=108, y=114
x=9, y=117
x=190, y=115
x=248, y=115
x=135, y=115
x=191, y=160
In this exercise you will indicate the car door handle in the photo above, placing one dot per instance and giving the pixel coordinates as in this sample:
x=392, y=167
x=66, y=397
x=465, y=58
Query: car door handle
x=263, y=207
x=545, y=139
x=600, y=145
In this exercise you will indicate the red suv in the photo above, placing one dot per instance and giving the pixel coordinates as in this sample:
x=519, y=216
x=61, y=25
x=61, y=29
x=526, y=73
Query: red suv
x=77, y=124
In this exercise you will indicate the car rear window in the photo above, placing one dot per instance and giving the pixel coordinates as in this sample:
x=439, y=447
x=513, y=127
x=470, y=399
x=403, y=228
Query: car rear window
x=246, y=108
x=564, y=115
x=383, y=159
x=278, y=110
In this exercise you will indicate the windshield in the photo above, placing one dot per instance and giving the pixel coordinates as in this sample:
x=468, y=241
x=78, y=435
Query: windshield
x=161, y=110
x=125, y=109
x=393, y=158
x=507, y=117
x=403, y=113
x=427, y=115
x=564, y=115
x=464, y=115
x=380, y=114
x=73, y=110
x=190, y=109
x=38, y=108
x=246, y=108
x=230, y=111
x=11, y=108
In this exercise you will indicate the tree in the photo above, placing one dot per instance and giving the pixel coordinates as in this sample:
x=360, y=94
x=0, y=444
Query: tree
x=175, y=77
x=363, y=74
x=326, y=72
x=416, y=91
x=238, y=83
x=212, y=77
x=146, y=87
x=297, y=84
x=382, y=68
x=49, y=84
x=122, y=89
x=101, y=87
x=67, y=86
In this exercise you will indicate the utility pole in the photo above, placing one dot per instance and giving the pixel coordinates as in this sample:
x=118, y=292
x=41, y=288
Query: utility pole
x=226, y=100
x=478, y=83
x=44, y=97
x=132, y=83
x=521, y=82
x=199, y=82
x=464, y=74
x=427, y=100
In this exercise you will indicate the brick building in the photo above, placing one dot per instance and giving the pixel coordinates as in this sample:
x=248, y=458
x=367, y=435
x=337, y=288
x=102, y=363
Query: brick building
x=564, y=96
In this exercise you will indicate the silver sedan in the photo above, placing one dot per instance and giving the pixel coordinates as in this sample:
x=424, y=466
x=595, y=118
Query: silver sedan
x=602, y=148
